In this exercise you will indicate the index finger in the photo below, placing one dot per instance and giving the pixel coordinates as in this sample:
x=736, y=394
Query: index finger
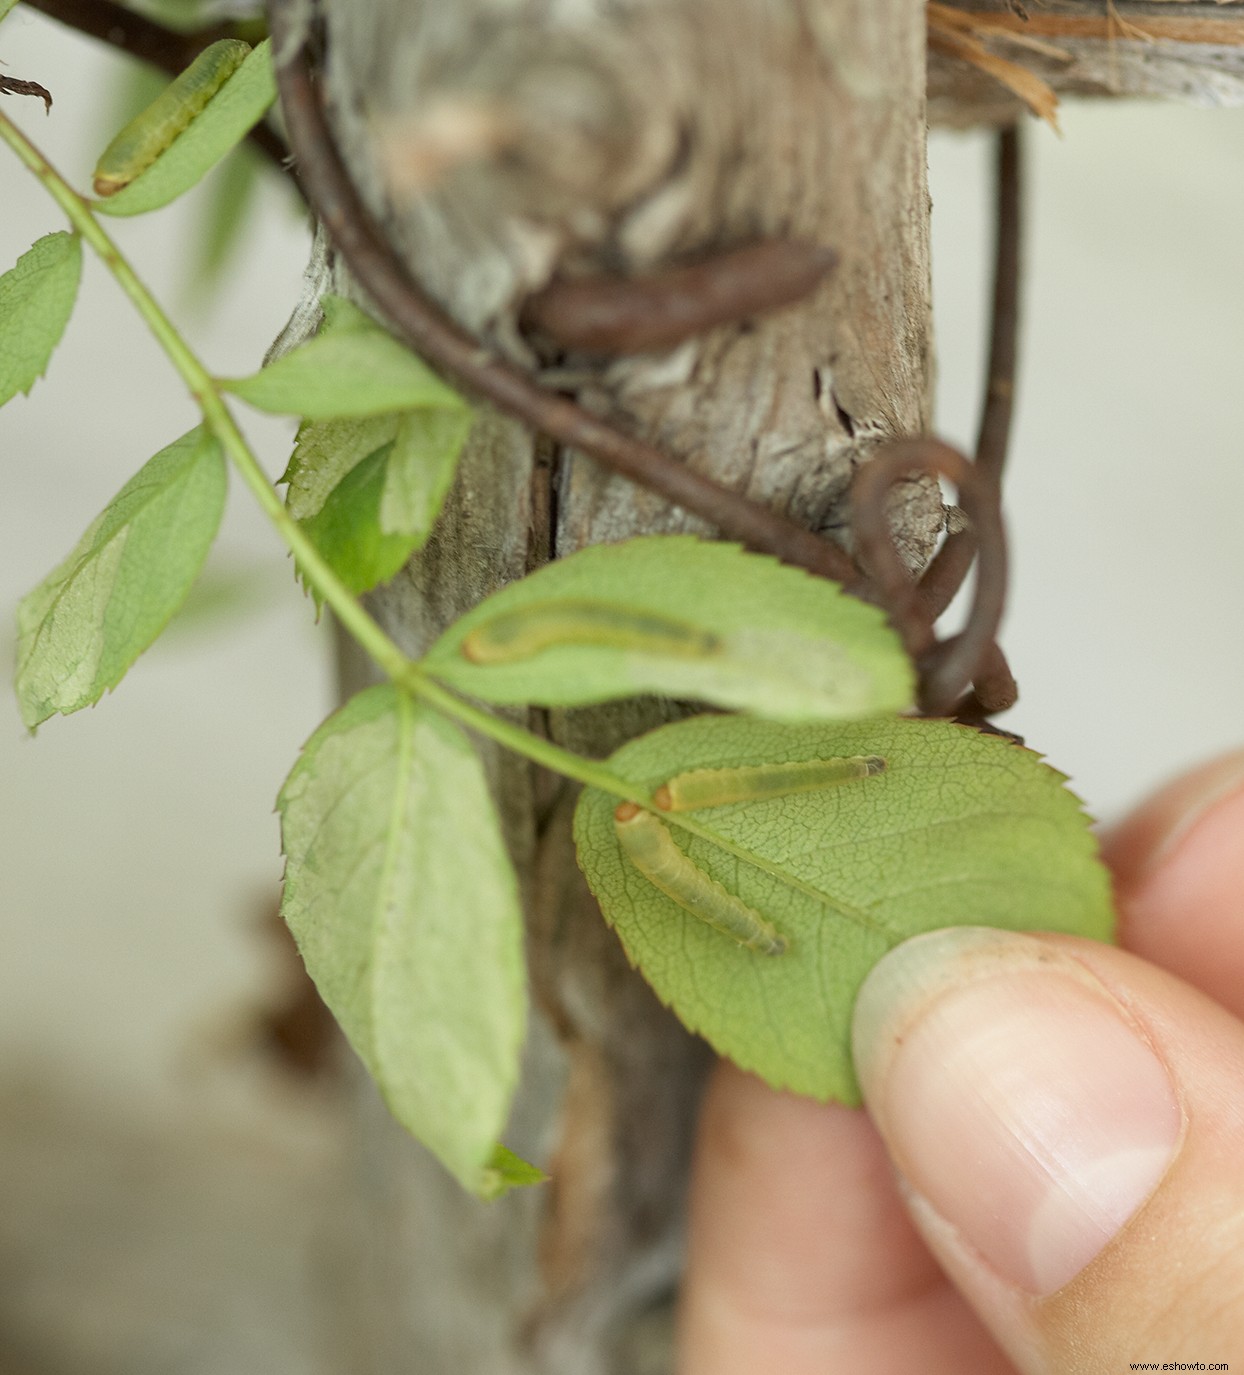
x=1178, y=862
x=801, y=1256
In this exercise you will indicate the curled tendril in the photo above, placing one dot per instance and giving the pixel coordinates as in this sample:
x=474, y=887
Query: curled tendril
x=946, y=667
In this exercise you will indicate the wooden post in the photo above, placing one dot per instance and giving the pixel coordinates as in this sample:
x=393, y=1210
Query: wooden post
x=501, y=144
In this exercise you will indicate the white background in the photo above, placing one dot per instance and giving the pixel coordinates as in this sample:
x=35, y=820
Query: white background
x=138, y=848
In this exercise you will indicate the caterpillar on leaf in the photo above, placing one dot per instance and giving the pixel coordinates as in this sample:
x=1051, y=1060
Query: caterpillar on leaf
x=516, y=635
x=647, y=843
x=687, y=792
x=151, y=133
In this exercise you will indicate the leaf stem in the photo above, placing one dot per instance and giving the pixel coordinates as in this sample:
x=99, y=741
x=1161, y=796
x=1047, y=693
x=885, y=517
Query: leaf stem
x=404, y=671
x=524, y=742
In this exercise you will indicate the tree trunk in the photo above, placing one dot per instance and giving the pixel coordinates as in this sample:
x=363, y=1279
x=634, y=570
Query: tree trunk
x=502, y=142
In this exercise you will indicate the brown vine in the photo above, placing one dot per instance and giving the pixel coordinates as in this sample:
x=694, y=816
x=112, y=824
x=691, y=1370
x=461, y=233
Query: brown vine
x=945, y=575
x=947, y=668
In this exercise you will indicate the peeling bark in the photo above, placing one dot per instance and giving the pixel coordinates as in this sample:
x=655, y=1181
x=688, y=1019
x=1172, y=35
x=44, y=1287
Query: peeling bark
x=1161, y=49
x=504, y=142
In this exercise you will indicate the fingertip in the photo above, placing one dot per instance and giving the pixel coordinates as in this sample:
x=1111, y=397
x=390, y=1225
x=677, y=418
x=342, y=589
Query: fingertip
x=1150, y=834
x=1178, y=862
x=1067, y=1118
x=985, y=1046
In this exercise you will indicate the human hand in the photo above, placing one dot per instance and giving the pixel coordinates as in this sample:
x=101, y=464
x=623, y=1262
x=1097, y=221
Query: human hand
x=1067, y=1124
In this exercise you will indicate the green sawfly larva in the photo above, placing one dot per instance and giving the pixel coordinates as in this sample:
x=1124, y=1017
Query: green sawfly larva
x=688, y=792
x=149, y=134
x=514, y=636
x=647, y=843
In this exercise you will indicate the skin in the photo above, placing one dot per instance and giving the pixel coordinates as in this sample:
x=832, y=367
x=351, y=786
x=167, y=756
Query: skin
x=807, y=1255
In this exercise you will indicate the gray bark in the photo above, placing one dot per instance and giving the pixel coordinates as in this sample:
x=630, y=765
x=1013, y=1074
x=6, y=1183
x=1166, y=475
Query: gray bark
x=615, y=136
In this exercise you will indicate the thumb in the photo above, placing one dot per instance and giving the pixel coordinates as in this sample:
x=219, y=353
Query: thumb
x=1068, y=1123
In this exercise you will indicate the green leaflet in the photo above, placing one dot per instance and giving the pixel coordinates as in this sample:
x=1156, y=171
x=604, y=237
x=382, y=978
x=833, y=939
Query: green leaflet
x=424, y=449
x=346, y=529
x=6, y=6
x=960, y=829
x=421, y=469
x=325, y=452
x=351, y=368
x=37, y=296
x=86, y=623
x=506, y=1171
x=682, y=617
x=368, y=488
x=229, y=115
x=400, y=894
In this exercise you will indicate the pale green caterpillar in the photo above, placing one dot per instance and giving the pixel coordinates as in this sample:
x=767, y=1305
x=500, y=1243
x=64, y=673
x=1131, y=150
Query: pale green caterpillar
x=687, y=792
x=647, y=843
x=149, y=134
x=517, y=635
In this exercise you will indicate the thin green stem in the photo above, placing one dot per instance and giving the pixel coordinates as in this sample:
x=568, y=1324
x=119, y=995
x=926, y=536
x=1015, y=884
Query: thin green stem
x=535, y=747
x=404, y=671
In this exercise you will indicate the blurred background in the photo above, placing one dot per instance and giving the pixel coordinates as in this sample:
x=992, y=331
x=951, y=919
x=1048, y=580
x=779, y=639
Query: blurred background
x=166, y=1191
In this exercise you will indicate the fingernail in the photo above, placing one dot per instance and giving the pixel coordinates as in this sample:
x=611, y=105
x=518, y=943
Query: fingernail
x=1015, y=1096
